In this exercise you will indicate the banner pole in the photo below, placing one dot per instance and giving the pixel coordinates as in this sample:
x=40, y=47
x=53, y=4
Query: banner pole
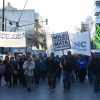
x=63, y=52
x=90, y=42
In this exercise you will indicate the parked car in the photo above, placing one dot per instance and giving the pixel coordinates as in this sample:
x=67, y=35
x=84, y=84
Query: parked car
x=2, y=56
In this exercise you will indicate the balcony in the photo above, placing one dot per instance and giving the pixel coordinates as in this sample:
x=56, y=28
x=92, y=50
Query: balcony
x=98, y=20
x=97, y=2
x=97, y=9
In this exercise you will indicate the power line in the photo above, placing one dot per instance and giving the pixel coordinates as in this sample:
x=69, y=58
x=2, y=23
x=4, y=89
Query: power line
x=22, y=11
x=3, y=15
x=17, y=23
x=46, y=21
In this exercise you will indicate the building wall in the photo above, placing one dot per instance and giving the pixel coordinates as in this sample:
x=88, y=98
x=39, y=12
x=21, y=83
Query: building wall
x=0, y=23
x=12, y=15
x=97, y=11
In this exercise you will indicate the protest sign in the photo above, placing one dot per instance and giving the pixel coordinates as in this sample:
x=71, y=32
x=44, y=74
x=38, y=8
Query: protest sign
x=60, y=41
x=12, y=39
x=80, y=43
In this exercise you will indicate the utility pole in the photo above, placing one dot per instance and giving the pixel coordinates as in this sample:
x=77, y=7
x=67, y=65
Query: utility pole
x=3, y=16
x=3, y=21
x=36, y=31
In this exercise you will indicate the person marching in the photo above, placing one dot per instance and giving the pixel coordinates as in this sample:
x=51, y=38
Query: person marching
x=67, y=65
x=51, y=72
x=29, y=66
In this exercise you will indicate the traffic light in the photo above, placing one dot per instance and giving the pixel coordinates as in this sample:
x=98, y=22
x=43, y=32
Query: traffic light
x=36, y=20
x=46, y=21
x=17, y=24
x=10, y=23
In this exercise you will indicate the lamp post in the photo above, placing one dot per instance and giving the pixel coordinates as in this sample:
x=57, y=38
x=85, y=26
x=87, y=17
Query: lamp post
x=3, y=21
x=3, y=16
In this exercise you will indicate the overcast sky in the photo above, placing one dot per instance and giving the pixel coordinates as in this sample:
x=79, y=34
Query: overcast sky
x=62, y=14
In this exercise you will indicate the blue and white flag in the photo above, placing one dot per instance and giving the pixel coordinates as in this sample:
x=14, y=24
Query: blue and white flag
x=80, y=43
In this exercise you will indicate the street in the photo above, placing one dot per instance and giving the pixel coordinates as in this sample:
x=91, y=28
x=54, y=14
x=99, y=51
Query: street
x=78, y=92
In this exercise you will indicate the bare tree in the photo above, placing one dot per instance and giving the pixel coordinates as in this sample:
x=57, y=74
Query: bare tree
x=37, y=36
x=40, y=35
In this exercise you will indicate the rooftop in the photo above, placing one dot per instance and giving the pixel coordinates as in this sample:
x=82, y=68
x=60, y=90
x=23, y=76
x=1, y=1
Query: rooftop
x=9, y=7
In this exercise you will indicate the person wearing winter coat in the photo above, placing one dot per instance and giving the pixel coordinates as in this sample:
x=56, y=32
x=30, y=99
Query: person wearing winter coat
x=96, y=72
x=2, y=70
x=67, y=65
x=83, y=62
x=29, y=66
x=51, y=72
x=14, y=67
x=8, y=71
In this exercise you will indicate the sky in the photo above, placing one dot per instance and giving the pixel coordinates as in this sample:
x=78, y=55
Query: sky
x=63, y=15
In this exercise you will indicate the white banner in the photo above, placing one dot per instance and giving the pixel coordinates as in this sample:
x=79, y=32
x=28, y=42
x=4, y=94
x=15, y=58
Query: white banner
x=60, y=41
x=80, y=43
x=12, y=39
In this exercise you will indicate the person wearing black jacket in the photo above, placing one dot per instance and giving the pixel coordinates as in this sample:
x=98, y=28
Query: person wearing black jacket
x=14, y=67
x=67, y=65
x=20, y=61
x=37, y=71
x=2, y=71
x=96, y=71
x=91, y=68
x=51, y=71
x=8, y=71
x=57, y=58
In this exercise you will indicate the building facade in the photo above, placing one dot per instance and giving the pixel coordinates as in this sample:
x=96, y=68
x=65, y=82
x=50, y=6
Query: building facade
x=97, y=11
x=20, y=20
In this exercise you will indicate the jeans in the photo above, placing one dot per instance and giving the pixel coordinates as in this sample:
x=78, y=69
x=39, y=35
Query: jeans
x=97, y=84
x=67, y=77
x=29, y=80
x=52, y=81
x=90, y=77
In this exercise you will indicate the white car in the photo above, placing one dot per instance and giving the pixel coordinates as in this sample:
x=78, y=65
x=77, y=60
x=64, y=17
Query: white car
x=2, y=56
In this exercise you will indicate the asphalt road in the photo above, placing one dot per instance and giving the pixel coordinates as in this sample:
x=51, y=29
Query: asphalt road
x=78, y=92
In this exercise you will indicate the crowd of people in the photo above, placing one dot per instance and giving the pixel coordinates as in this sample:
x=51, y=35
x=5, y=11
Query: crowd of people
x=28, y=70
